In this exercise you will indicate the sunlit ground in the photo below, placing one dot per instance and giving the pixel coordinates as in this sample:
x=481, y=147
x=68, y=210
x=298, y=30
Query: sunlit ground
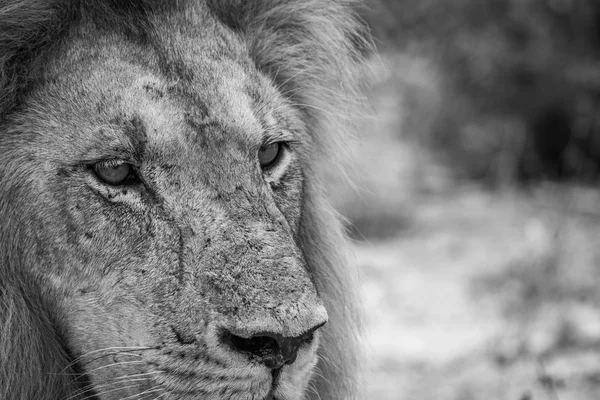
x=487, y=297
x=472, y=293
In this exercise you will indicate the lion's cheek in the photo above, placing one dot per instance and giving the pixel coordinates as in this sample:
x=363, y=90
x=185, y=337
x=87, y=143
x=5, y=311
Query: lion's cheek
x=107, y=339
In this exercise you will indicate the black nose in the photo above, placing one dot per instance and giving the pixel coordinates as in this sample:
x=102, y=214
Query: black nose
x=270, y=349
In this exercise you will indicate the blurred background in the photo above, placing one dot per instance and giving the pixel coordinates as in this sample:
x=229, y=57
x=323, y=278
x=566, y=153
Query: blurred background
x=476, y=218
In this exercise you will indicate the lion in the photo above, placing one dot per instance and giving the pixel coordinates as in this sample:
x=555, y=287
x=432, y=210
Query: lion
x=165, y=230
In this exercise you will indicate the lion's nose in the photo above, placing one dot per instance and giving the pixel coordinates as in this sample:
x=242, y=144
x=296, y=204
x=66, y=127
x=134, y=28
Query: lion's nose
x=268, y=348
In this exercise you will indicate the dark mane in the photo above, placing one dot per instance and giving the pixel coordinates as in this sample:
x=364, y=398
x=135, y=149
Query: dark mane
x=31, y=345
x=313, y=50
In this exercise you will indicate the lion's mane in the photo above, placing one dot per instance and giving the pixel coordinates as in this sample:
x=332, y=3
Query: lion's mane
x=312, y=49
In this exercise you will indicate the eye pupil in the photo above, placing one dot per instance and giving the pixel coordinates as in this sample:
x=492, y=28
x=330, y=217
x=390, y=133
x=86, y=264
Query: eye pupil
x=268, y=154
x=113, y=174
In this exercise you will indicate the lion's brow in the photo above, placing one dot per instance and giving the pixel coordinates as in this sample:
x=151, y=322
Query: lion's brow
x=134, y=129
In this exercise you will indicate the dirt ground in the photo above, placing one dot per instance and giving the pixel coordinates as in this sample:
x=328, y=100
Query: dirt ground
x=486, y=296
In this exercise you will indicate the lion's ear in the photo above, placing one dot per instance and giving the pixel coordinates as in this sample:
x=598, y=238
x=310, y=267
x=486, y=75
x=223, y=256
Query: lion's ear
x=314, y=50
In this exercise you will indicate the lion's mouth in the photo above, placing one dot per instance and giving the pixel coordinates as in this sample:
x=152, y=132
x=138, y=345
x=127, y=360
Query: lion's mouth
x=271, y=395
x=275, y=374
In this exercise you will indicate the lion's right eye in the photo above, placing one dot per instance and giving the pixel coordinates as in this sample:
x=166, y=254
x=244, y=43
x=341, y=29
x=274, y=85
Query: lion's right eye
x=270, y=154
x=115, y=172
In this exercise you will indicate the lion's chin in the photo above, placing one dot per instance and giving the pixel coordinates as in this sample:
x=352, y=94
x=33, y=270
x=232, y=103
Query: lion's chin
x=282, y=385
x=290, y=383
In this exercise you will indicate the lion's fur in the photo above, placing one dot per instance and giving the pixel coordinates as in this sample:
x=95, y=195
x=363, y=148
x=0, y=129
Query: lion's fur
x=311, y=49
x=30, y=345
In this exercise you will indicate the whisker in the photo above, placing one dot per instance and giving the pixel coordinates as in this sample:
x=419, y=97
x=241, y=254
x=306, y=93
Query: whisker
x=110, y=349
x=81, y=391
x=115, y=389
x=112, y=381
x=319, y=373
x=114, y=365
x=314, y=390
x=145, y=392
x=140, y=375
x=96, y=359
x=164, y=394
x=329, y=362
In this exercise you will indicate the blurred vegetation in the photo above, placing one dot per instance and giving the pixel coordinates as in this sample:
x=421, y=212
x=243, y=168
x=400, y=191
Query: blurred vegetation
x=519, y=97
x=476, y=209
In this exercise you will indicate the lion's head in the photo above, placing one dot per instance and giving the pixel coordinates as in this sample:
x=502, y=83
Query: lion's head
x=164, y=232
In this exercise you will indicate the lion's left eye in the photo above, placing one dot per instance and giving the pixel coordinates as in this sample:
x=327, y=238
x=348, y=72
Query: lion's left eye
x=115, y=172
x=269, y=155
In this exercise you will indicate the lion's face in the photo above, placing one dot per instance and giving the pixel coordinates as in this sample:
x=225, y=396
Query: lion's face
x=165, y=183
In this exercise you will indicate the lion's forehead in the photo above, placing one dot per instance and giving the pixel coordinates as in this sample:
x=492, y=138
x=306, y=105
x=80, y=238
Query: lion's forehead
x=203, y=93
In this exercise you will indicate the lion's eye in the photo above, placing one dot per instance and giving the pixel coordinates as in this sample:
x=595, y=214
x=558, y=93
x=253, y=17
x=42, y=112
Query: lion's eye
x=114, y=172
x=268, y=155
